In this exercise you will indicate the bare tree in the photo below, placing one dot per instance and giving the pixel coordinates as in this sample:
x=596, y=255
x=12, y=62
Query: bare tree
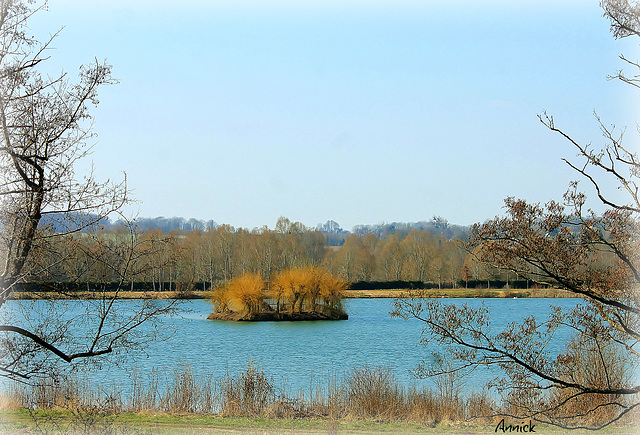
x=36, y=335
x=592, y=382
x=45, y=130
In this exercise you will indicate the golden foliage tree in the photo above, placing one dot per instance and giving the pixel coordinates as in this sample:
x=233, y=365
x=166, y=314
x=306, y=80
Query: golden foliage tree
x=244, y=293
x=286, y=285
x=302, y=290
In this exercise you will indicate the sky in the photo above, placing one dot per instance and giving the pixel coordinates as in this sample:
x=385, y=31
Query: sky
x=361, y=112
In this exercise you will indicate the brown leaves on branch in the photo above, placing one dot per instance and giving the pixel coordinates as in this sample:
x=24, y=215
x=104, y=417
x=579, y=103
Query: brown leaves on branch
x=596, y=256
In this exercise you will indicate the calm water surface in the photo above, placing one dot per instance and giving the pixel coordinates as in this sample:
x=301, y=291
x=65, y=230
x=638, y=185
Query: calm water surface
x=297, y=354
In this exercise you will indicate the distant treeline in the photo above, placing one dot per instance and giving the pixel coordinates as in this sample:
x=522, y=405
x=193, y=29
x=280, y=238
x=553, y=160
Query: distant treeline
x=396, y=255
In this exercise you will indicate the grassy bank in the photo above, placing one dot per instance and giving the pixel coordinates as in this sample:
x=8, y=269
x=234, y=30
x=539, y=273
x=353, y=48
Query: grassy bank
x=22, y=421
x=348, y=294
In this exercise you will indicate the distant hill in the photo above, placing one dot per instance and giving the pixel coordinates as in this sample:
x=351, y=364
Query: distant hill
x=437, y=225
x=174, y=223
x=331, y=229
x=61, y=222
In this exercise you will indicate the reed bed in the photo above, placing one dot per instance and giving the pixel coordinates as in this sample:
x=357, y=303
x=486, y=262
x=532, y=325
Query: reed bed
x=368, y=394
x=372, y=394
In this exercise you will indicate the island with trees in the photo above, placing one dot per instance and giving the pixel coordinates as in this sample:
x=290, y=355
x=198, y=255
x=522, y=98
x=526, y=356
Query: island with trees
x=53, y=231
x=308, y=293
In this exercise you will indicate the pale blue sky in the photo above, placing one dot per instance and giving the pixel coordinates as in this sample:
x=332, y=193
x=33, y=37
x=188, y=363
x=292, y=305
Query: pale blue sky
x=356, y=111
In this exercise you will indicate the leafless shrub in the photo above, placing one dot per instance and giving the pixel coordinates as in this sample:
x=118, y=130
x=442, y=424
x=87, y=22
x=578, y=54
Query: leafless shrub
x=250, y=394
x=183, y=393
x=144, y=397
x=373, y=393
x=85, y=410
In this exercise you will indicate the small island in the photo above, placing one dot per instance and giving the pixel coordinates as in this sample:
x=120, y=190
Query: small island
x=309, y=293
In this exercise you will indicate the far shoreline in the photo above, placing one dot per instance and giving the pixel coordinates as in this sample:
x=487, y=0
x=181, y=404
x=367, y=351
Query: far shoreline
x=348, y=294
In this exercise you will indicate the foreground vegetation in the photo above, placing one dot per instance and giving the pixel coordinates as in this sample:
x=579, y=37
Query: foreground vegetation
x=365, y=400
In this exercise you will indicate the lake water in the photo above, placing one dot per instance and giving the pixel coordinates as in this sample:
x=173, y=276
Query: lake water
x=299, y=354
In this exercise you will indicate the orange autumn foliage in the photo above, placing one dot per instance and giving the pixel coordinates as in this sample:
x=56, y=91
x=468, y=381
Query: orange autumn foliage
x=301, y=290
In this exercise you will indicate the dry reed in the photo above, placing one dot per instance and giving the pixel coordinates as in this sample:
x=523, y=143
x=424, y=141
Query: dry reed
x=363, y=394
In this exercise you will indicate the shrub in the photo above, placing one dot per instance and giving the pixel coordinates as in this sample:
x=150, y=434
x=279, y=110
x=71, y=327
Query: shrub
x=250, y=394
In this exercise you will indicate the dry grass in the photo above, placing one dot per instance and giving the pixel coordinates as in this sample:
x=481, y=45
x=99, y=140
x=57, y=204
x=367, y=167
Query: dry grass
x=459, y=293
x=371, y=394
